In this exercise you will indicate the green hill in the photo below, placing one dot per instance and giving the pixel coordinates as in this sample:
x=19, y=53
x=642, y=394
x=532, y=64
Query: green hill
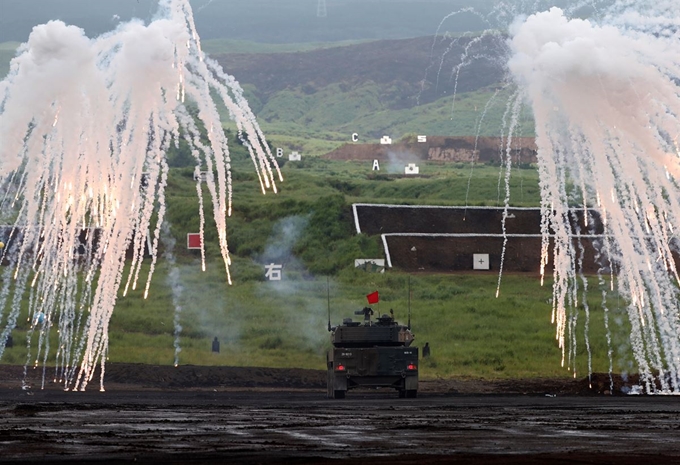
x=312, y=97
x=314, y=100
x=308, y=228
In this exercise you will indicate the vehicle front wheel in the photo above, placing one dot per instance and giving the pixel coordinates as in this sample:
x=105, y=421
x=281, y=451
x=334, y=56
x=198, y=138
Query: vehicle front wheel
x=338, y=394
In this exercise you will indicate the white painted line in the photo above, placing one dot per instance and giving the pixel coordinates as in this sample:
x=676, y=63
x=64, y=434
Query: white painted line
x=356, y=218
x=387, y=250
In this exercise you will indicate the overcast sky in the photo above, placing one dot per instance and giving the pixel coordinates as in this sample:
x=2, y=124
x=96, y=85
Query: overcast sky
x=271, y=21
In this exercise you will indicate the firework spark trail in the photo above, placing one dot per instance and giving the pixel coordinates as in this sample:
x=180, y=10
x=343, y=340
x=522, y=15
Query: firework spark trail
x=442, y=59
x=584, y=299
x=175, y=283
x=452, y=43
x=607, y=108
x=466, y=58
x=488, y=105
x=206, y=5
x=84, y=129
x=512, y=111
x=608, y=333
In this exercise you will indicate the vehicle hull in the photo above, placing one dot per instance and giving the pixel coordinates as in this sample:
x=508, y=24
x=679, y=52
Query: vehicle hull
x=373, y=367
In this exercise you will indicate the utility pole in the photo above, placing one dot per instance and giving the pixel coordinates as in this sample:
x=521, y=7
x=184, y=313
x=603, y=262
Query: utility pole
x=321, y=11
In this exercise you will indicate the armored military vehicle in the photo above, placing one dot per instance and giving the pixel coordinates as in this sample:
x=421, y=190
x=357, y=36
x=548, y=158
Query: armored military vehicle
x=372, y=353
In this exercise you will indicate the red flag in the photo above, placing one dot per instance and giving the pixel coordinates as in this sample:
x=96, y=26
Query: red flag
x=373, y=298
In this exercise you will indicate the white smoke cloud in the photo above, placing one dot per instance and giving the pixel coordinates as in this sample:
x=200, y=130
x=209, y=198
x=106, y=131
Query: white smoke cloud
x=549, y=46
x=398, y=159
x=279, y=248
x=606, y=106
x=49, y=66
x=82, y=122
x=303, y=314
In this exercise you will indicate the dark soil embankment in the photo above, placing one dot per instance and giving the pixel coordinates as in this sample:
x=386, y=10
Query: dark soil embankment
x=130, y=376
x=441, y=149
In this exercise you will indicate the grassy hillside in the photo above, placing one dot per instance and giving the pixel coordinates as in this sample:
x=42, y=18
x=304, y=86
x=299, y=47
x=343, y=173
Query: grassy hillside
x=308, y=228
x=313, y=101
x=471, y=332
x=226, y=46
x=296, y=121
x=312, y=97
x=314, y=105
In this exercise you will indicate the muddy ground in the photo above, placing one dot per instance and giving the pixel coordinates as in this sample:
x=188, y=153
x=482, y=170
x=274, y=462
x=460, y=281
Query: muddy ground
x=152, y=414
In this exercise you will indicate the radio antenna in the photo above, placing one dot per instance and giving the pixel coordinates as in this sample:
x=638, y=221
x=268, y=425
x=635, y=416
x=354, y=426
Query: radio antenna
x=328, y=290
x=409, y=301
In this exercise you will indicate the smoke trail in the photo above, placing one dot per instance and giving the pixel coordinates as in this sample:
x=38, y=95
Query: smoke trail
x=205, y=5
x=296, y=284
x=607, y=109
x=175, y=282
x=84, y=129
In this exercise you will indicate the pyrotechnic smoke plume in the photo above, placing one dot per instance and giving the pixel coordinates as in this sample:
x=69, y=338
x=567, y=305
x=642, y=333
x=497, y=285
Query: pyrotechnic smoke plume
x=606, y=102
x=85, y=125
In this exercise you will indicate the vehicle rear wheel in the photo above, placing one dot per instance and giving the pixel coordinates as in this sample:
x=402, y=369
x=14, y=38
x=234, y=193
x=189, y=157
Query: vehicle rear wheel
x=338, y=394
x=411, y=393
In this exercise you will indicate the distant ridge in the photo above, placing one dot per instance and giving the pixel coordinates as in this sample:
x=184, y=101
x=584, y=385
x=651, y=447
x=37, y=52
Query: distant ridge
x=408, y=68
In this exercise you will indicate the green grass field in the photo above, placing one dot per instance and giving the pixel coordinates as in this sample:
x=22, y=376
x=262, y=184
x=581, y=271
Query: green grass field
x=283, y=324
x=259, y=323
x=472, y=333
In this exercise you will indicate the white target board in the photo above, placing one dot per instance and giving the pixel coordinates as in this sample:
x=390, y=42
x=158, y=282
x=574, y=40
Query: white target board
x=480, y=261
x=411, y=168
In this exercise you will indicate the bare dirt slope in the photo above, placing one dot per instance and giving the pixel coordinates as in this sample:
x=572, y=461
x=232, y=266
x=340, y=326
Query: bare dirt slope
x=445, y=149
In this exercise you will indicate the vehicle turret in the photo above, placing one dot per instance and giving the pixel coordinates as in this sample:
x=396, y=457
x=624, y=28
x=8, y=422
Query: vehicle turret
x=383, y=332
